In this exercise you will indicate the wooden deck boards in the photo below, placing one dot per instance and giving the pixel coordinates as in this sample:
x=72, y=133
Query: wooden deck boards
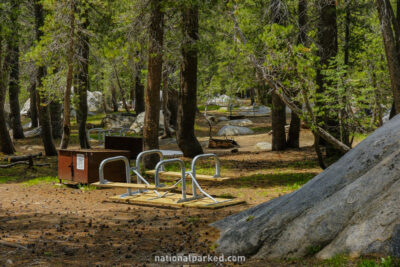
x=134, y=186
x=171, y=200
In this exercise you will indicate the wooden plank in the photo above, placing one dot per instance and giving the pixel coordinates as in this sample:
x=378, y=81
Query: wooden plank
x=199, y=177
x=135, y=186
x=171, y=201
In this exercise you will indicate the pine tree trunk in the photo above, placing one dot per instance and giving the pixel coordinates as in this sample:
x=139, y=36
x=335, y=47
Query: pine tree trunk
x=114, y=102
x=173, y=107
x=386, y=16
x=66, y=133
x=83, y=81
x=6, y=145
x=166, y=112
x=13, y=87
x=139, y=92
x=55, y=118
x=152, y=96
x=278, y=116
x=187, y=98
x=278, y=111
x=32, y=106
x=44, y=114
x=327, y=38
x=295, y=122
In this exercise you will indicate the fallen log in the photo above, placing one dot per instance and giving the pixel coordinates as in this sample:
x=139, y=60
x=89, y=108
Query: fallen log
x=29, y=163
x=221, y=143
x=22, y=158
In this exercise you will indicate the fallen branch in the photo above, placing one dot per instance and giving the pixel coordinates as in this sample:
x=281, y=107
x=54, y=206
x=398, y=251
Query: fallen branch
x=12, y=245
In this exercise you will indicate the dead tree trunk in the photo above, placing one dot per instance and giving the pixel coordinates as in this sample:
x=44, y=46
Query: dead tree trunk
x=152, y=96
x=187, y=98
x=343, y=210
x=42, y=101
x=13, y=86
x=66, y=133
x=6, y=145
x=83, y=80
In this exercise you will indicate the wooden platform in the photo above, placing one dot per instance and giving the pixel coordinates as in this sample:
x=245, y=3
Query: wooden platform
x=199, y=177
x=171, y=200
x=134, y=186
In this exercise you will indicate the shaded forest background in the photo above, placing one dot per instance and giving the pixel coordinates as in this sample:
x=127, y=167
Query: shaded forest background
x=335, y=64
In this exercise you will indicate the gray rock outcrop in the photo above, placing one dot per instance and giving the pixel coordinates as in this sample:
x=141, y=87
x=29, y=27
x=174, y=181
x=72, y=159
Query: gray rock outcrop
x=353, y=207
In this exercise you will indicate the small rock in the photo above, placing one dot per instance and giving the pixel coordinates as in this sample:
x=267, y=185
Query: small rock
x=264, y=146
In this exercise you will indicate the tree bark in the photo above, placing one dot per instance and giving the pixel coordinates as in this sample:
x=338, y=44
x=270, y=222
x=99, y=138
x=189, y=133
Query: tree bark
x=278, y=110
x=6, y=145
x=114, y=102
x=293, y=140
x=55, y=118
x=278, y=116
x=152, y=96
x=32, y=106
x=83, y=80
x=328, y=49
x=166, y=112
x=386, y=17
x=42, y=101
x=187, y=98
x=13, y=86
x=139, y=92
x=66, y=133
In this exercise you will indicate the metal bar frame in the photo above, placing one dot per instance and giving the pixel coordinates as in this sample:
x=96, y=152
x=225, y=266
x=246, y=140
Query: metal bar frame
x=113, y=159
x=183, y=176
x=192, y=173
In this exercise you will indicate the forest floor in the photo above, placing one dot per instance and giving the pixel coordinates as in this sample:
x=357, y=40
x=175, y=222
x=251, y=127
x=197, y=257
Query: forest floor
x=45, y=223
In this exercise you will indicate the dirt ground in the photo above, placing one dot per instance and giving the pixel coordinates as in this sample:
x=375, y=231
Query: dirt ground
x=45, y=223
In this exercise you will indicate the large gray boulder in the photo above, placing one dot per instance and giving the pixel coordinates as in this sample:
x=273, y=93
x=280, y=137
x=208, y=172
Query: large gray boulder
x=242, y=122
x=117, y=121
x=26, y=107
x=94, y=101
x=255, y=111
x=230, y=130
x=137, y=126
x=222, y=100
x=353, y=207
